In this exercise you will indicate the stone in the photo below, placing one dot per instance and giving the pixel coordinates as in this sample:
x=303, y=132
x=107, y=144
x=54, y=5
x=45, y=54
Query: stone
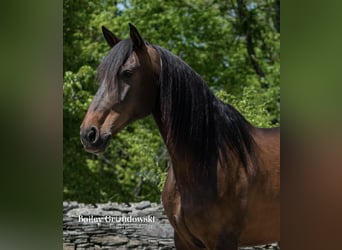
x=88, y=245
x=142, y=205
x=85, y=246
x=165, y=248
x=93, y=231
x=152, y=241
x=158, y=230
x=72, y=233
x=68, y=246
x=81, y=240
x=133, y=244
x=91, y=212
x=115, y=207
x=111, y=240
x=166, y=242
x=73, y=204
x=124, y=209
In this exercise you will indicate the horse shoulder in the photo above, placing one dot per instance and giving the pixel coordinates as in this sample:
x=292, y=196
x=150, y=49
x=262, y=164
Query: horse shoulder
x=268, y=151
x=262, y=222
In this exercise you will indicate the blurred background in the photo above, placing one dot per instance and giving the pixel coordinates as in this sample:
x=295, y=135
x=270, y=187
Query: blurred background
x=233, y=45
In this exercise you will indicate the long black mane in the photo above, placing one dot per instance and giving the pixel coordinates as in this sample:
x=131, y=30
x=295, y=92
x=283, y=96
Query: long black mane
x=196, y=121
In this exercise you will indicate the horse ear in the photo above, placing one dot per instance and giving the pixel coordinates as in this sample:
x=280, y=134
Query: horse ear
x=138, y=42
x=110, y=37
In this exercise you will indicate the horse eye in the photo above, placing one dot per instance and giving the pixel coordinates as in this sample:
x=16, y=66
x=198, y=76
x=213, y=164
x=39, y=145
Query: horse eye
x=126, y=74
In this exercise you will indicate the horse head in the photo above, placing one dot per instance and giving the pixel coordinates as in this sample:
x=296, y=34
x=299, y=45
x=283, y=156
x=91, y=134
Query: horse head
x=128, y=78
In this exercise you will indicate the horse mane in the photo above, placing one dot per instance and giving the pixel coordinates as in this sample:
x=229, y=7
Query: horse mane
x=197, y=122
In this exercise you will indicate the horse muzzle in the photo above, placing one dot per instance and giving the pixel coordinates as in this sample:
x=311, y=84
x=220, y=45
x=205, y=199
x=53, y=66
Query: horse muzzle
x=93, y=141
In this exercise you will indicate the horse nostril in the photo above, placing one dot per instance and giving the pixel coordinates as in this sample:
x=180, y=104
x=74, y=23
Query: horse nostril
x=93, y=135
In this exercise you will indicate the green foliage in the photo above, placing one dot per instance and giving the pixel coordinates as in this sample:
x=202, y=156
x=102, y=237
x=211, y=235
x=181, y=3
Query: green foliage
x=210, y=35
x=251, y=104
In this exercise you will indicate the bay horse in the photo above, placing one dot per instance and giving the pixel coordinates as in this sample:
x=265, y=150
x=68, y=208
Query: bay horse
x=223, y=187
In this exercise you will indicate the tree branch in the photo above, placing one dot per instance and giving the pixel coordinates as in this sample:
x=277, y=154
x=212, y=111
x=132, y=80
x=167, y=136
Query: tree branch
x=277, y=15
x=244, y=20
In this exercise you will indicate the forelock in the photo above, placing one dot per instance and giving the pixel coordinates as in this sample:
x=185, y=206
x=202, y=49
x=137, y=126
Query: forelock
x=108, y=69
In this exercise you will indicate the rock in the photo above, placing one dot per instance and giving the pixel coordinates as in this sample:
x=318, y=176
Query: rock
x=115, y=207
x=89, y=213
x=111, y=240
x=93, y=231
x=166, y=242
x=85, y=246
x=73, y=204
x=74, y=233
x=68, y=246
x=81, y=240
x=165, y=248
x=158, y=230
x=142, y=205
x=133, y=244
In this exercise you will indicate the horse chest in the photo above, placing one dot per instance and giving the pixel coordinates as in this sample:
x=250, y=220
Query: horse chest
x=200, y=225
x=187, y=216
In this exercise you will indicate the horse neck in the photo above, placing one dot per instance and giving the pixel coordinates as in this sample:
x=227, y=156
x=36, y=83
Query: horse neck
x=198, y=129
x=194, y=163
x=189, y=176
